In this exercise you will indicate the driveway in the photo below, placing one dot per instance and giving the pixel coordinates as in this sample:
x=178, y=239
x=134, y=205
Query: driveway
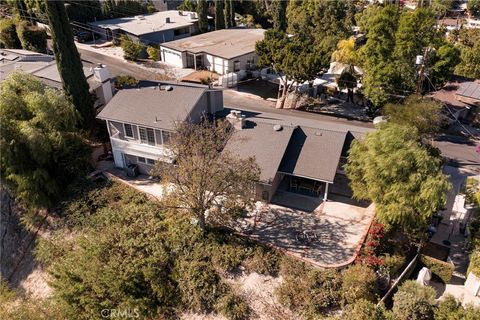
x=330, y=237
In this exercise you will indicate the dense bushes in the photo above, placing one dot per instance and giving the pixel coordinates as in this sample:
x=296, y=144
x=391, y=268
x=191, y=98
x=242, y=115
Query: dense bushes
x=123, y=81
x=153, y=53
x=413, y=301
x=234, y=307
x=131, y=49
x=359, y=282
x=31, y=37
x=264, y=261
x=8, y=34
x=440, y=269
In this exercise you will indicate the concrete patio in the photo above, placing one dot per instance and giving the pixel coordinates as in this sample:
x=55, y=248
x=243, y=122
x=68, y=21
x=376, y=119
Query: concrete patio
x=330, y=236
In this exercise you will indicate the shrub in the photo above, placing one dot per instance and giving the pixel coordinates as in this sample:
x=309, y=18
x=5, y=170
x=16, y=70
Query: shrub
x=264, y=261
x=413, y=301
x=393, y=263
x=359, y=282
x=474, y=265
x=131, y=49
x=8, y=34
x=199, y=284
x=31, y=37
x=153, y=53
x=234, y=307
x=440, y=269
x=125, y=81
x=363, y=310
x=228, y=257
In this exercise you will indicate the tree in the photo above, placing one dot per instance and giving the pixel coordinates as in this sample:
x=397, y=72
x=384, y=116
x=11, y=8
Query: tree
x=68, y=61
x=473, y=7
x=363, y=309
x=229, y=14
x=348, y=80
x=345, y=52
x=450, y=308
x=202, y=10
x=31, y=37
x=121, y=263
x=414, y=302
x=359, y=282
x=204, y=176
x=294, y=59
x=8, y=34
x=153, y=53
x=219, y=15
x=131, y=49
x=469, y=65
x=443, y=63
x=279, y=15
x=40, y=151
x=422, y=113
x=392, y=168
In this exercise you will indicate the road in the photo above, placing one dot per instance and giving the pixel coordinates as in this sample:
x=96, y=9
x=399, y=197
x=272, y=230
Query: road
x=460, y=151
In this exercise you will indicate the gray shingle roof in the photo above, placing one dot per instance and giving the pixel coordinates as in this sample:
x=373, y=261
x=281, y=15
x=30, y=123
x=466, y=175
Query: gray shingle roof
x=469, y=90
x=149, y=106
x=313, y=153
x=259, y=140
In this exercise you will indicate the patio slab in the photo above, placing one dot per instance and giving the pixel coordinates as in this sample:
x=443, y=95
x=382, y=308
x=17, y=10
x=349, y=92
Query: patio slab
x=335, y=231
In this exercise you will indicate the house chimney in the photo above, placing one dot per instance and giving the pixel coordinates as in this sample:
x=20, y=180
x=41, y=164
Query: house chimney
x=237, y=119
x=100, y=74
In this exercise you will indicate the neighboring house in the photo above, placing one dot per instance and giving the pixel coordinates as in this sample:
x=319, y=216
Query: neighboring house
x=460, y=97
x=303, y=155
x=151, y=28
x=165, y=5
x=45, y=69
x=221, y=51
x=141, y=121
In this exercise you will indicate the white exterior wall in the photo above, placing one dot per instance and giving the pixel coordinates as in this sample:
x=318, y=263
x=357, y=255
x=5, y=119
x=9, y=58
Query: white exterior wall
x=172, y=57
x=243, y=61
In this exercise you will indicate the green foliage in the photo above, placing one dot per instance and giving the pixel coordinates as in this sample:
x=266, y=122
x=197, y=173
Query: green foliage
x=473, y=7
x=363, y=309
x=31, y=37
x=131, y=49
x=279, y=15
x=233, y=307
x=40, y=151
x=123, y=8
x=310, y=292
x=414, y=302
x=264, y=261
x=123, y=81
x=229, y=14
x=219, y=15
x=393, y=263
x=422, y=113
x=68, y=62
x=8, y=34
x=443, y=63
x=474, y=264
x=359, y=282
x=187, y=5
x=228, y=258
x=84, y=10
x=403, y=178
x=451, y=309
x=440, y=269
x=202, y=10
x=470, y=62
x=153, y=53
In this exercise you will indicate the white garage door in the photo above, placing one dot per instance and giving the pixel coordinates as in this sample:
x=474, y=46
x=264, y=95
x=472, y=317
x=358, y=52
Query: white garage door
x=172, y=57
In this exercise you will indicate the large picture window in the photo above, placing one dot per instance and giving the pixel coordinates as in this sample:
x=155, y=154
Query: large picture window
x=147, y=135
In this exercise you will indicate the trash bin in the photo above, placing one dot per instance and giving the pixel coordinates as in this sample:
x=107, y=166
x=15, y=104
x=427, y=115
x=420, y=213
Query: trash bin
x=132, y=170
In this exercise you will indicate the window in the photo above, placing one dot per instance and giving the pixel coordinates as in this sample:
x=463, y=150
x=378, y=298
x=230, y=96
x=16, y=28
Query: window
x=236, y=66
x=150, y=161
x=141, y=159
x=128, y=130
x=182, y=31
x=147, y=135
x=166, y=137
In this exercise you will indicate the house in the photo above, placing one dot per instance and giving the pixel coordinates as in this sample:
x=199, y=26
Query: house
x=141, y=121
x=44, y=67
x=294, y=154
x=460, y=97
x=151, y=28
x=221, y=51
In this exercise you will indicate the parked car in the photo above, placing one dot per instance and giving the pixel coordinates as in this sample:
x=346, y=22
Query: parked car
x=85, y=36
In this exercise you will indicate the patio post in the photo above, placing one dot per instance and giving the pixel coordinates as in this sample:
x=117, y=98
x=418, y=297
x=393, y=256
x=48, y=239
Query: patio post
x=195, y=61
x=325, y=195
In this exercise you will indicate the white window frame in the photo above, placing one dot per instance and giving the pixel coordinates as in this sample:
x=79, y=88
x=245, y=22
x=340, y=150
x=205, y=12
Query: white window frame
x=125, y=129
x=146, y=136
x=144, y=160
x=147, y=161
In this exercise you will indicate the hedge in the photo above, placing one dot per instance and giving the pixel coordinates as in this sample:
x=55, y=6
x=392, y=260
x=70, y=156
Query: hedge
x=441, y=269
x=31, y=37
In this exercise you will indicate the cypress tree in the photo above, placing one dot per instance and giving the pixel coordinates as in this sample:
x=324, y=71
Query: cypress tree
x=219, y=16
x=229, y=14
x=202, y=10
x=279, y=15
x=68, y=61
x=232, y=13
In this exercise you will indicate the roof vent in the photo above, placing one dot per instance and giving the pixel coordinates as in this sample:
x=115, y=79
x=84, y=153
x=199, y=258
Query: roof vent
x=277, y=127
x=168, y=88
x=167, y=20
x=318, y=133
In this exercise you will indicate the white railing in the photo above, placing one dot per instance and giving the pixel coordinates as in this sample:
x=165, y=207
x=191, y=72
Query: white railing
x=140, y=149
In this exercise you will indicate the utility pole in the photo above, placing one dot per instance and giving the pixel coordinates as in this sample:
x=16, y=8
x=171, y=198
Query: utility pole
x=421, y=73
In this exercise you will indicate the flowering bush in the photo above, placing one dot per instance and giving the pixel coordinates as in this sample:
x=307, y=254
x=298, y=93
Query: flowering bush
x=369, y=255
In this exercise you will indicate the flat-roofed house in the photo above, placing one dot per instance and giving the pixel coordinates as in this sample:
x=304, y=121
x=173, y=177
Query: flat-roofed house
x=141, y=121
x=221, y=51
x=151, y=28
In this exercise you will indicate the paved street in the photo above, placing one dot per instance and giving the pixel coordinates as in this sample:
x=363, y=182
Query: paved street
x=461, y=151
